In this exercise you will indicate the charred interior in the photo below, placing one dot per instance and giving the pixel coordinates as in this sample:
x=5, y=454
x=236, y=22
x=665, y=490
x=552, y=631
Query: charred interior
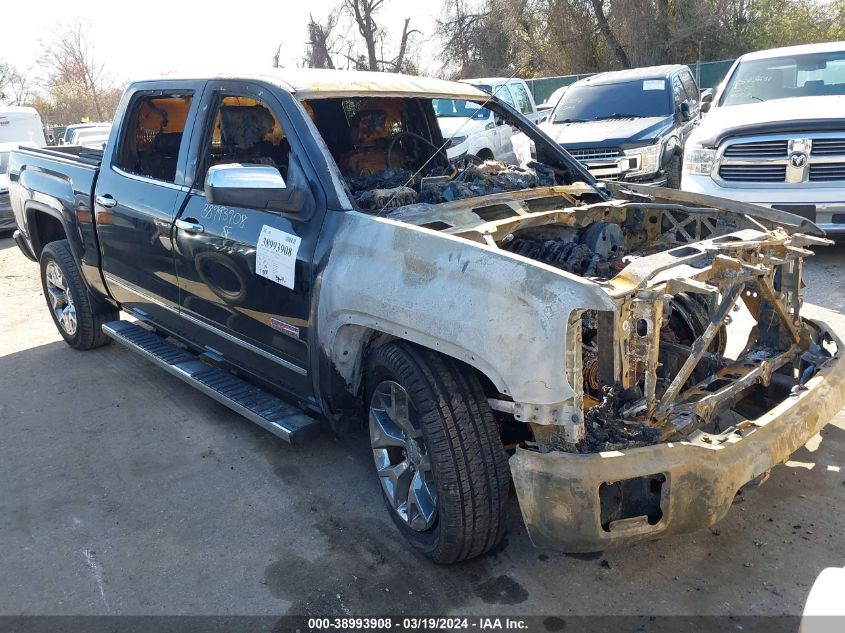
x=706, y=335
x=391, y=154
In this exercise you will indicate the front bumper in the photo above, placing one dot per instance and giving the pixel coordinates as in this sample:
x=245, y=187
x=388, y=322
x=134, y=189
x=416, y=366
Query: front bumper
x=693, y=482
x=825, y=206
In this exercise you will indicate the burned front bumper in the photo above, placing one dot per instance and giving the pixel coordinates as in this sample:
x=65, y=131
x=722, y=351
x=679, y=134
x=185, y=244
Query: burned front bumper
x=587, y=503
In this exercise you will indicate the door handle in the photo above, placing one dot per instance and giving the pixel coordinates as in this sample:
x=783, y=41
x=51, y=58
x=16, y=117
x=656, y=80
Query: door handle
x=190, y=225
x=105, y=201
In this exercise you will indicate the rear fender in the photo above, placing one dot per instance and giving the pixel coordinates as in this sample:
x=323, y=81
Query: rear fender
x=52, y=196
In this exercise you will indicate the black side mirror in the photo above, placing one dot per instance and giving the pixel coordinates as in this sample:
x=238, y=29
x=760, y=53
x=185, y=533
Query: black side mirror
x=253, y=187
x=707, y=95
x=705, y=107
x=686, y=111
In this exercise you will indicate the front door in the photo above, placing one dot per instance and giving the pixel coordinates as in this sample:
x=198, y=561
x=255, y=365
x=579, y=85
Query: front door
x=137, y=197
x=249, y=297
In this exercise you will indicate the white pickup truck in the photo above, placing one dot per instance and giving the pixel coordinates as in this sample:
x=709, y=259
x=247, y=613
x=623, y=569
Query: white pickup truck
x=476, y=131
x=775, y=134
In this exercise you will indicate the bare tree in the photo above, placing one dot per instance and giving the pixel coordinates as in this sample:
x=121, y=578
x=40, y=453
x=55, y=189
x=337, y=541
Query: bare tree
x=319, y=49
x=21, y=88
x=609, y=36
x=398, y=63
x=364, y=12
x=69, y=57
x=7, y=72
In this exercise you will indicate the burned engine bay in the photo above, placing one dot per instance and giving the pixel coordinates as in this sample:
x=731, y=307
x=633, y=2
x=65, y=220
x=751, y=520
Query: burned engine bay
x=706, y=336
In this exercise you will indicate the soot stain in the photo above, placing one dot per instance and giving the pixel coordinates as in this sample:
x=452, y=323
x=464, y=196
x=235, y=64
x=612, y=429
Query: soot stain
x=501, y=590
x=365, y=571
x=587, y=556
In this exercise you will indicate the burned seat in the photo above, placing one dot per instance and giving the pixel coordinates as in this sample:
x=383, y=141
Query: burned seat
x=371, y=130
x=244, y=131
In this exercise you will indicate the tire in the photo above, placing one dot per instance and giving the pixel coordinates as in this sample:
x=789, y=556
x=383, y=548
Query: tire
x=459, y=436
x=87, y=314
x=673, y=173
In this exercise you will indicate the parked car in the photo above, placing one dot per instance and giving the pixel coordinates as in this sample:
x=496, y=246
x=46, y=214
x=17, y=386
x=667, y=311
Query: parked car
x=297, y=246
x=476, y=131
x=545, y=109
x=513, y=91
x=7, y=218
x=71, y=130
x=473, y=130
x=19, y=124
x=94, y=136
x=775, y=134
x=629, y=125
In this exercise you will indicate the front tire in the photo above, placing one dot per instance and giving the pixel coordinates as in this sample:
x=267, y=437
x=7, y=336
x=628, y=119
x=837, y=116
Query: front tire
x=673, y=173
x=75, y=312
x=438, y=454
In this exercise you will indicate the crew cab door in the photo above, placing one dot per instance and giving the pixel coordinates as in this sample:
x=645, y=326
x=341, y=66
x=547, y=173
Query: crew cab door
x=138, y=193
x=254, y=320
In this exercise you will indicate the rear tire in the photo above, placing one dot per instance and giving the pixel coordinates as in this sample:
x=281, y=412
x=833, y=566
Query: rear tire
x=77, y=315
x=457, y=440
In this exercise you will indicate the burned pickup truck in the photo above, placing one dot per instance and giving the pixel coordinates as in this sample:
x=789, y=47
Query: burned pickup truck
x=300, y=247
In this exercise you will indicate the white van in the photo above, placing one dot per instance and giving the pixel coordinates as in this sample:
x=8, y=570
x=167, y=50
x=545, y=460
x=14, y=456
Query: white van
x=22, y=125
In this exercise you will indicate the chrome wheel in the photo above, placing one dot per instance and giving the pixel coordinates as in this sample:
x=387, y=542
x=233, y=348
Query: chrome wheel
x=402, y=459
x=60, y=299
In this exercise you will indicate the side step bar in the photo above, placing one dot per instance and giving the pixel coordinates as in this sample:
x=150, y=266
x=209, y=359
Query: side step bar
x=266, y=410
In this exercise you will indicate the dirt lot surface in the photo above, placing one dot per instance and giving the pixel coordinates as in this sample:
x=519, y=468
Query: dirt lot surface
x=124, y=491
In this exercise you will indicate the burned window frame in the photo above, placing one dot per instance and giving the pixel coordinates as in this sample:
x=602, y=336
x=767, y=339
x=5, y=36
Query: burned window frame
x=547, y=150
x=130, y=126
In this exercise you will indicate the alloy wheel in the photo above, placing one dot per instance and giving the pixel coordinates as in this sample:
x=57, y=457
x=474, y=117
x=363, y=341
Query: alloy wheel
x=60, y=299
x=401, y=456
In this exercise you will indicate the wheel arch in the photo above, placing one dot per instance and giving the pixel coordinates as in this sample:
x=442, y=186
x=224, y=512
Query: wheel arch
x=351, y=343
x=45, y=224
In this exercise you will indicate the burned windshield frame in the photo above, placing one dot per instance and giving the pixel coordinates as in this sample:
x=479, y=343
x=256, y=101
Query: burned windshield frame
x=546, y=151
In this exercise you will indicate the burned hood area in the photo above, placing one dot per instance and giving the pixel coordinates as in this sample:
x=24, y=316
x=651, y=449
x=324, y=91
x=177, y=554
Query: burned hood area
x=706, y=334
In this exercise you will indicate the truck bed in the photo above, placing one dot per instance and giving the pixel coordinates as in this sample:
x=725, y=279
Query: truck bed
x=87, y=155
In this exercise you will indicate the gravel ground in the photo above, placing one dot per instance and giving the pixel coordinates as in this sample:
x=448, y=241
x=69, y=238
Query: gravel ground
x=123, y=491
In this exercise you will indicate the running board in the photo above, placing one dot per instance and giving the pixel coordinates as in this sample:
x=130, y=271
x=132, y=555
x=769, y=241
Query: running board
x=255, y=404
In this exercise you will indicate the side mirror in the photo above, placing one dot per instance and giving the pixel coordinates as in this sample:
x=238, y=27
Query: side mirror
x=251, y=186
x=705, y=107
x=686, y=111
x=707, y=95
